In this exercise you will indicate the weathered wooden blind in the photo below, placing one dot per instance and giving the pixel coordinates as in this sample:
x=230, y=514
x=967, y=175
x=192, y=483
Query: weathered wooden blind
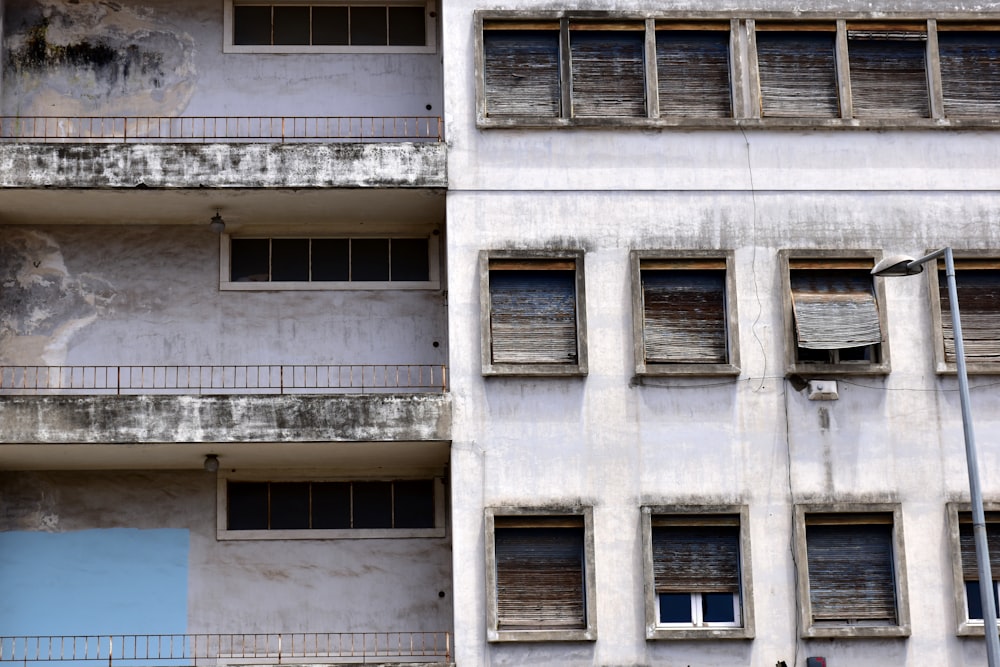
x=696, y=559
x=540, y=578
x=608, y=72
x=970, y=73
x=684, y=316
x=851, y=572
x=834, y=309
x=533, y=316
x=888, y=74
x=798, y=74
x=693, y=73
x=521, y=72
x=967, y=542
x=979, y=304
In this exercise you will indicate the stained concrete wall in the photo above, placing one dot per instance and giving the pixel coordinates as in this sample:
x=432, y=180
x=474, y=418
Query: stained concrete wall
x=239, y=586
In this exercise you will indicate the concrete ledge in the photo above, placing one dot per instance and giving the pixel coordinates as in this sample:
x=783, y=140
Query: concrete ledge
x=179, y=419
x=310, y=165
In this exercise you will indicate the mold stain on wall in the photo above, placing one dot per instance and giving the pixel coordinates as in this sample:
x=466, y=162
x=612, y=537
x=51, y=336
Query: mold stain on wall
x=95, y=58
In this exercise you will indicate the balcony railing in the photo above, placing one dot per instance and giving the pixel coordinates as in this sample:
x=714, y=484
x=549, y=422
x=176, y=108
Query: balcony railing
x=235, y=379
x=215, y=129
x=230, y=649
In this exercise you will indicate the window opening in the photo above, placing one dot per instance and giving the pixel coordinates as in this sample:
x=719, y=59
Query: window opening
x=327, y=25
x=888, y=73
x=692, y=69
x=798, y=73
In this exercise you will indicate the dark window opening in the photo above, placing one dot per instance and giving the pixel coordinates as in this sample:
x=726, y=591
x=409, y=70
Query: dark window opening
x=329, y=25
x=836, y=316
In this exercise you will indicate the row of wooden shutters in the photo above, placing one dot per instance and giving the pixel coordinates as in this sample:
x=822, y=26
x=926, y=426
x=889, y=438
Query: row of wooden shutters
x=834, y=309
x=696, y=559
x=684, y=314
x=979, y=303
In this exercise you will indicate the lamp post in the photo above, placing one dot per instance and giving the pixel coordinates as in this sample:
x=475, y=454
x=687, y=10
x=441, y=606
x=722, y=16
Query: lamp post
x=900, y=265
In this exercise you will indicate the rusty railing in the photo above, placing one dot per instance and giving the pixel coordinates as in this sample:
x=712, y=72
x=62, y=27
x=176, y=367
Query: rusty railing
x=229, y=379
x=211, y=129
x=231, y=649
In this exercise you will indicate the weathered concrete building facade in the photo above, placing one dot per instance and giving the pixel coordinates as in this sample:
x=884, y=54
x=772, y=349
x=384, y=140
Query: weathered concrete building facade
x=507, y=334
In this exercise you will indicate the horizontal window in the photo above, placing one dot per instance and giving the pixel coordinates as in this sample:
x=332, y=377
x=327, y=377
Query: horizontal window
x=977, y=280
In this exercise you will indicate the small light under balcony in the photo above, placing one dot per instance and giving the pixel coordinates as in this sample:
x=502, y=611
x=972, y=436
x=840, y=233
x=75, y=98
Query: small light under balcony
x=217, y=225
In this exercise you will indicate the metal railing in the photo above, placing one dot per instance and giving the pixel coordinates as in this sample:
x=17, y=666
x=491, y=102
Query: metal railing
x=206, y=129
x=229, y=379
x=230, y=649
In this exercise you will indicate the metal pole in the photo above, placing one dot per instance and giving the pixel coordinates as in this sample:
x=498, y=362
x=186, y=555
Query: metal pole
x=986, y=590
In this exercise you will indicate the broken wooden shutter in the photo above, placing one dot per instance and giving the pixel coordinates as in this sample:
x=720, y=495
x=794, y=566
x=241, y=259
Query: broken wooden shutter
x=851, y=572
x=970, y=72
x=692, y=69
x=834, y=309
x=540, y=578
x=967, y=544
x=521, y=70
x=696, y=559
x=684, y=315
x=533, y=312
x=888, y=73
x=798, y=74
x=979, y=303
x=608, y=69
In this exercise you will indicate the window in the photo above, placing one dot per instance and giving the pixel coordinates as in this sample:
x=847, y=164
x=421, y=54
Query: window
x=692, y=66
x=798, y=72
x=607, y=69
x=977, y=279
x=965, y=566
x=281, y=27
x=851, y=572
x=253, y=508
x=833, y=319
x=540, y=575
x=256, y=263
x=888, y=70
x=970, y=69
x=532, y=312
x=697, y=577
x=684, y=313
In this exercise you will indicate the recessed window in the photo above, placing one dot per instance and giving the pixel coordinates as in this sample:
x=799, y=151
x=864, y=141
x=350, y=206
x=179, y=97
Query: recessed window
x=970, y=70
x=851, y=574
x=977, y=280
x=692, y=68
x=798, y=72
x=696, y=581
x=607, y=69
x=888, y=71
x=833, y=315
x=965, y=565
x=540, y=577
x=684, y=314
x=522, y=70
x=533, y=313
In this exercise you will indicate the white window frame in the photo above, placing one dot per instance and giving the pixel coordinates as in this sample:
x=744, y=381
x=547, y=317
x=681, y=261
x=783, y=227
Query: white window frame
x=430, y=28
x=697, y=614
x=222, y=504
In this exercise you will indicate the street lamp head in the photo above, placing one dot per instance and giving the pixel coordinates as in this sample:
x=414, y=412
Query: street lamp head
x=898, y=265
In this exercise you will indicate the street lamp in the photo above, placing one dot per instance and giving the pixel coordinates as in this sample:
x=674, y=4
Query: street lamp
x=900, y=265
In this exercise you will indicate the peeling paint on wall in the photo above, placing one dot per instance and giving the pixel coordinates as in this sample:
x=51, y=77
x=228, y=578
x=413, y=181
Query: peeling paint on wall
x=42, y=305
x=95, y=58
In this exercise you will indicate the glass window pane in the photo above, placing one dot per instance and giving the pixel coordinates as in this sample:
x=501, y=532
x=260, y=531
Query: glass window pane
x=413, y=502
x=331, y=505
x=289, y=505
x=291, y=25
x=369, y=259
x=406, y=26
x=249, y=260
x=675, y=608
x=330, y=25
x=717, y=608
x=372, y=504
x=247, y=506
x=331, y=259
x=368, y=26
x=409, y=259
x=252, y=24
x=290, y=259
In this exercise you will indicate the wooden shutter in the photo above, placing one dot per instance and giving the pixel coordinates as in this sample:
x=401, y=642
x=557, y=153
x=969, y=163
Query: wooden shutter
x=608, y=71
x=693, y=73
x=979, y=305
x=834, y=309
x=684, y=316
x=533, y=316
x=967, y=542
x=696, y=559
x=521, y=72
x=888, y=74
x=798, y=74
x=970, y=73
x=540, y=578
x=851, y=572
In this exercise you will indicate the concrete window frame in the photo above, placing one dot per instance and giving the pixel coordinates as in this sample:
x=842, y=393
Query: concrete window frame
x=958, y=514
x=543, y=259
x=855, y=261
x=641, y=260
x=850, y=514
x=577, y=517
x=430, y=29
x=698, y=516
x=222, y=504
x=965, y=260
